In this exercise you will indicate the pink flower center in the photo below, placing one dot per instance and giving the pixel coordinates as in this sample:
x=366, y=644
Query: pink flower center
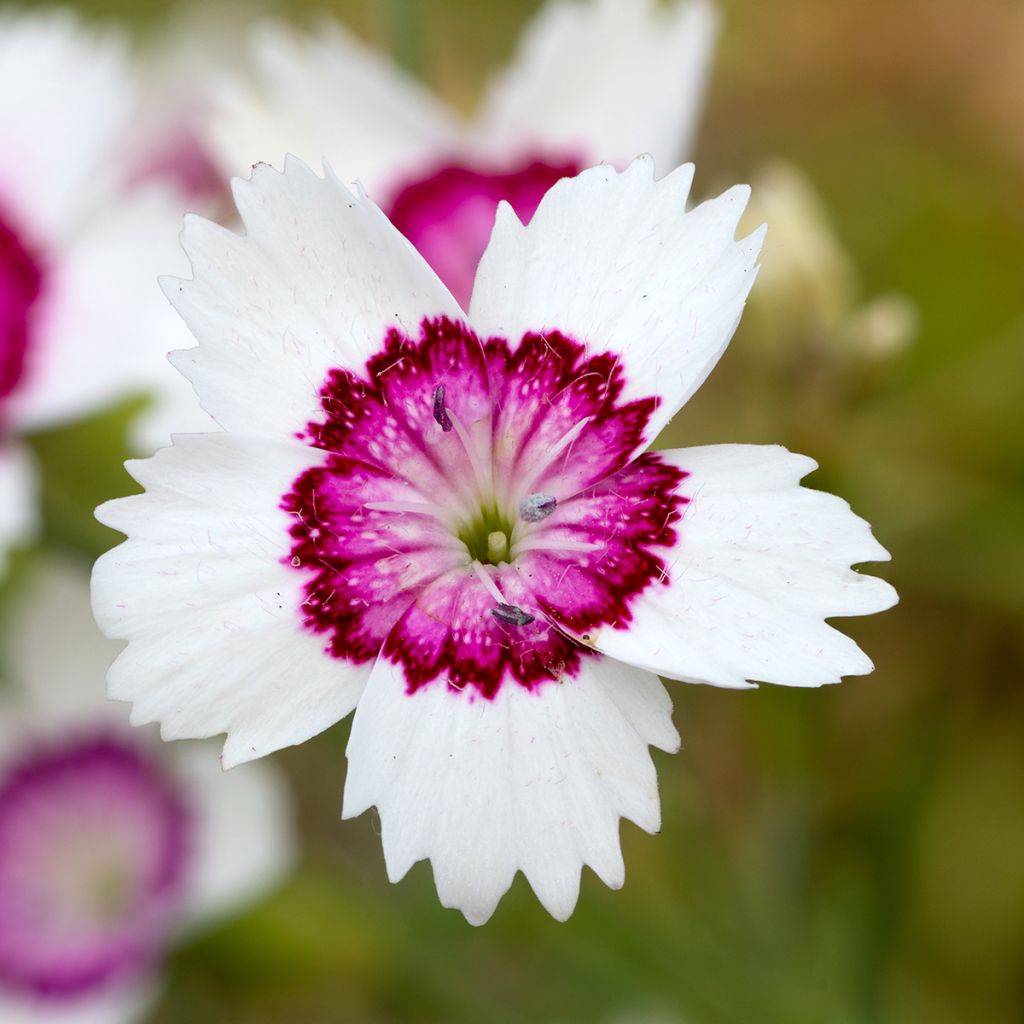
x=477, y=499
x=93, y=850
x=21, y=280
x=180, y=157
x=448, y=214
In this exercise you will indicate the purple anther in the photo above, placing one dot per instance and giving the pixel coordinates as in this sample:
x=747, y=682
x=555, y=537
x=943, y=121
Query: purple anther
x=511, y=615
x=535, y=507
x=440, y=412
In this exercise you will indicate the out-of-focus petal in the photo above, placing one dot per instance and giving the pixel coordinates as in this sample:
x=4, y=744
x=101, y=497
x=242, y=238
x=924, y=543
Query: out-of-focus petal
x=244, y=839
x=327, y=95
x=123, y=1006
x=609, y=78
x=59, y=681
x=67, y=90
x=17, y=499
x=103, y=330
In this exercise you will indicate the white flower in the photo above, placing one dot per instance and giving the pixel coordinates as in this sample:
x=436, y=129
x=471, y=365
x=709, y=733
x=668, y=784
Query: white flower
x=81, y=322
x=168, y=139
x=447, y=519
x=112, y=845
x=597, y=81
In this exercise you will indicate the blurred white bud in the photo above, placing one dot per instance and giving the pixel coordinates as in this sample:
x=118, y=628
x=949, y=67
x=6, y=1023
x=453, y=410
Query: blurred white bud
x=881, y=328
x=807, y=280
x=805, y=296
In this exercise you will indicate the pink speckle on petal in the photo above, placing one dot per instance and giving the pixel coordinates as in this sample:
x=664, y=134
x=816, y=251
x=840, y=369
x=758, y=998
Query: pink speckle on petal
x=448, y=212
x=412, y=535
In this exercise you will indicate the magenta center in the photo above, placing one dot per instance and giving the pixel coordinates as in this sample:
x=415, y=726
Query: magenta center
x=21, y=281
x=93, y=853
x=448, y=214
x=181, y=157
x=477, y=503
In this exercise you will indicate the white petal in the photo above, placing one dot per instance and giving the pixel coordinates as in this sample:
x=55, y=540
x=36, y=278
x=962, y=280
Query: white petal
x=316, y=282
x=606, y=79
x=327, y=95
x=613, y=260
x=66, y=96
x=17, y=499
x=527, y=781
x=122, y=1006
x=104, y=328
x=760, y=563
x=246, y=831
x=209, y=610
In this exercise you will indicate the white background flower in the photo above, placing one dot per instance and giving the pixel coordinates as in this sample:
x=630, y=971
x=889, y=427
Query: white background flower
x=596, y=81
x=240, y=827
x=99, y=329
x=601, y=78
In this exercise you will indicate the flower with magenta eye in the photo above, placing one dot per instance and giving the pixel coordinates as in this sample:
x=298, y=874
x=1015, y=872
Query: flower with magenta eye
x=450, y=523
x=113, y=846
x=82, y=324
x=592, y=81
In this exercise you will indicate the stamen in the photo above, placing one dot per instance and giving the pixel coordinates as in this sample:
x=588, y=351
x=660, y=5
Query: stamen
x=555, y=450
x=440, y=412
x=535, y=507
x=420, y=508
x=543, y=544
x=489, y=585
x=512, y=615
x=481, y=468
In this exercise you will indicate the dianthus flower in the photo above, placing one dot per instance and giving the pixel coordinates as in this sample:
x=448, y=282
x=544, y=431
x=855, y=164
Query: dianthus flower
x=451, y=522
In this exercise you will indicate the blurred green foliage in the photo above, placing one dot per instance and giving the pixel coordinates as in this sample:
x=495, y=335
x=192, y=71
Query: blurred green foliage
x=851, y=855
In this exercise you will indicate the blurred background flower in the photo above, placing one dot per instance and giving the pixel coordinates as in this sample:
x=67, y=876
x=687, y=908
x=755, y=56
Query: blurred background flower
x=597, y=82
x=806, y=304
x=82, y=324
x=853, y=854
x=113, y=845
